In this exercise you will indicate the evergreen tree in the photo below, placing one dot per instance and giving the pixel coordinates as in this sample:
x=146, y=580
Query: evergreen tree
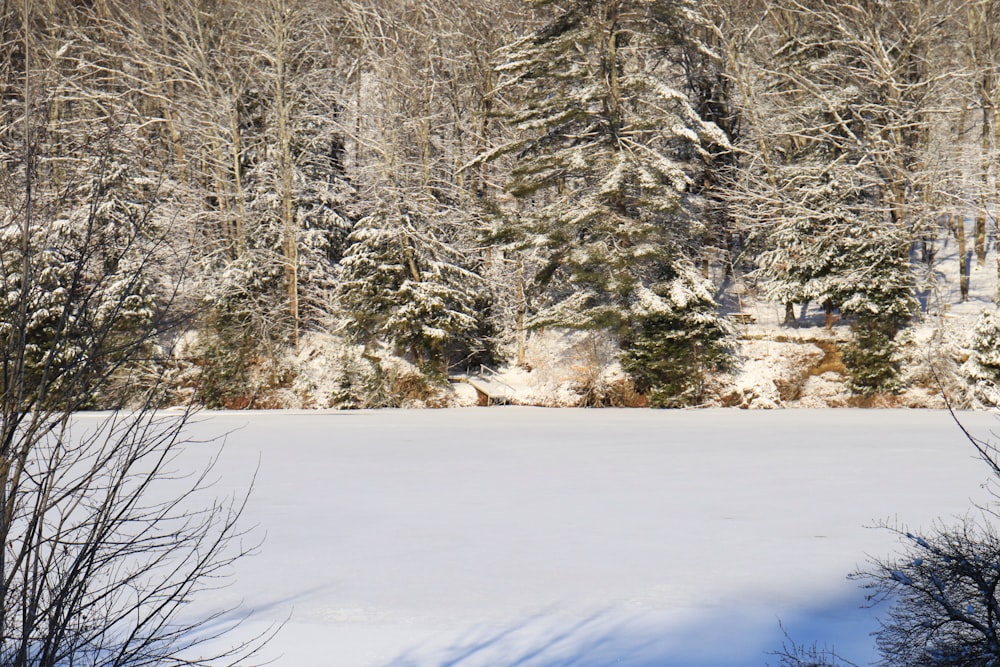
x=983, y=365
x=675, y=340
x=401, y=285
x=77, y=270
x=321, y=227
x=805, y=225
x=605, y=151
x=874, y=285
x=292, y=201
x=819, y=198
x=605, y=156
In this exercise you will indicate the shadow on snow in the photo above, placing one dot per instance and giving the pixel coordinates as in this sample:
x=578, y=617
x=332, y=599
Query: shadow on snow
x=720, y=638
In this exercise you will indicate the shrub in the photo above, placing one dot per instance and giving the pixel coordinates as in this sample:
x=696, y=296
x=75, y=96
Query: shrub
x=943, y=588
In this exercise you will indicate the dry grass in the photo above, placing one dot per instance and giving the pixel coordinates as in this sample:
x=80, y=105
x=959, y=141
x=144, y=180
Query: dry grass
x=619, y=393
x=832, y=361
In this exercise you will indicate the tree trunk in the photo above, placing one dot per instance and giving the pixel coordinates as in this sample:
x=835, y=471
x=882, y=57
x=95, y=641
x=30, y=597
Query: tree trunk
x=790, y=314
x=958, y=223
x=522, y=309
x=239, y=211
x=984, y=198
x=610, y=66
x=981, y=237
x=928, y=250
x=285, y=167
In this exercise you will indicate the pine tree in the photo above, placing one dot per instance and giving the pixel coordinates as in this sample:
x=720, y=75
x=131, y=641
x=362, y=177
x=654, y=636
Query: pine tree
x=321, y=227
x=822, y=198
x=401, y=285
x=675, y=340
x=983, y=365
x=874, y=285
x=805, y=224
x=292, y=202
x=606, y=153
x=85, y=254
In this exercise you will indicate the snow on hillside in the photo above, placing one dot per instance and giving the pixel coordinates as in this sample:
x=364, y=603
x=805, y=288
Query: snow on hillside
x=777, y=366
x=782, y=366
x=531, y=537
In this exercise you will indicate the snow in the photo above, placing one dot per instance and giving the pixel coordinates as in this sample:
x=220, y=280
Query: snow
x=776, y=366
x=537, y=537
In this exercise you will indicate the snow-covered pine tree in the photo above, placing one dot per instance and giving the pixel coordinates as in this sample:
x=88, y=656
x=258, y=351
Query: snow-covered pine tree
x=873, y=283
x=289, y=190
x=799, y=194
x=292, y=200
x=401, y=285
x=982, y=368
x=81, y=246
x=93, y=274
x=320, y=198
x=605, y=153
x=800, y=225
x=675, y=339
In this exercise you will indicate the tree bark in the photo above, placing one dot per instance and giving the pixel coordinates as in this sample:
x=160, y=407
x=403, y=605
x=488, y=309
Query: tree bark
x=790, y=319
x=286, y=173
x=522, y=309
x=958, y=223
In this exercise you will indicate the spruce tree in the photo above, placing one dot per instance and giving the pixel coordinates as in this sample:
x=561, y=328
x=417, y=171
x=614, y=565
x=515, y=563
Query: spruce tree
x=873, y=284
x=674, y=340
x=803, y=226
x=87, y=250
x=983, y=365
x=819, y=199
x=401, y=285
x=604, y=160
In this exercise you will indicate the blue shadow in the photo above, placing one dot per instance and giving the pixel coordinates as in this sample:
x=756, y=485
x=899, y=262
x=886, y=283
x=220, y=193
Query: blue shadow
x=725, y=637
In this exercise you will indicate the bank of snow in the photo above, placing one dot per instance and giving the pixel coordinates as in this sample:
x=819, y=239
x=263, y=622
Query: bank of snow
x=532, y=537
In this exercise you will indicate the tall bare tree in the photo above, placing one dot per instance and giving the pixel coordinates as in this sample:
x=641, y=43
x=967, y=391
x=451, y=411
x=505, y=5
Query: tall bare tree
x=103, y=546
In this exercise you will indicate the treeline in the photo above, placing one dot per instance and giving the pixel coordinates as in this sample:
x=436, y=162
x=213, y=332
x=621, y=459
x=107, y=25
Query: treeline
x=436, y=179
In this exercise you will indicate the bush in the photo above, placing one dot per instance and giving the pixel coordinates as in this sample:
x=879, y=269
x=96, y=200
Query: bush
x=943, y=588
x=237, y=368
x=104, y=543
x=793, y=654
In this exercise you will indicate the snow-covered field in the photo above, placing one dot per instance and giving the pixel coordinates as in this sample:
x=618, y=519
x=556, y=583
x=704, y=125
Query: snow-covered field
x=537, y=538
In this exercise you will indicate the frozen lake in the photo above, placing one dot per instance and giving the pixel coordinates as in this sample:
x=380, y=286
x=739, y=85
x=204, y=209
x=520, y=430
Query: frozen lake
x=540, y=537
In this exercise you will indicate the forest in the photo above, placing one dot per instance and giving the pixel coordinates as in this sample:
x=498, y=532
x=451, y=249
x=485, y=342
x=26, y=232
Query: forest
x=407, y=191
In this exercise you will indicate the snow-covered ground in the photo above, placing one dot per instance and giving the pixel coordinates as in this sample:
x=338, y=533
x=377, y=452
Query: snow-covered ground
x=776, y=366
x=536, y=537
x=779, y=366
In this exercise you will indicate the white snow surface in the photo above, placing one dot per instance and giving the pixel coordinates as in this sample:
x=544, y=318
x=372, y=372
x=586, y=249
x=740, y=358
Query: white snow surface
x=543, y=538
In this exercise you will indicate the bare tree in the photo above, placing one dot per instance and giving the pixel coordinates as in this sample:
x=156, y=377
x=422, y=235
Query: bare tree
x=943, y=588
x=104, y=542
x=982, y=50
